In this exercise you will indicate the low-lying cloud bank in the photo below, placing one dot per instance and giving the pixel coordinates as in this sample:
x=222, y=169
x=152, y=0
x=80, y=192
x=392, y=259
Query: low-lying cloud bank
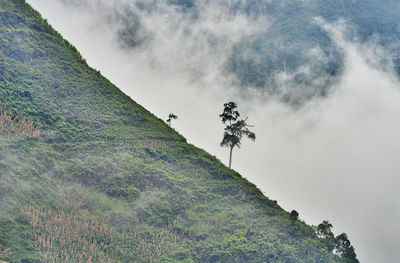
x=334, y=158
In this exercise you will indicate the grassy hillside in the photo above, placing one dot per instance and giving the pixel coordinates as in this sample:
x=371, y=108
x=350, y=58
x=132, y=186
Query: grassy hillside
x=97, y=178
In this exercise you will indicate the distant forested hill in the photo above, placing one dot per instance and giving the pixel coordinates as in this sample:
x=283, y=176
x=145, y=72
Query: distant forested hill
x=289, y=41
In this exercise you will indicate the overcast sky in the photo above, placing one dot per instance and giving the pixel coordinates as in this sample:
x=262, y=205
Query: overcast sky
x=335, y=158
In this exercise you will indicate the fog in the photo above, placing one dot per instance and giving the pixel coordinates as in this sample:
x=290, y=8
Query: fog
x=334, y=158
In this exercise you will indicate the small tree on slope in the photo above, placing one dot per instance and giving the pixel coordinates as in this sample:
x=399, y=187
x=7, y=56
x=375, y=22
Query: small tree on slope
x=234, y=128
x=171, y=117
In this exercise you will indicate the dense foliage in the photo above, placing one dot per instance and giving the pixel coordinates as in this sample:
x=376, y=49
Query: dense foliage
x=107, y=181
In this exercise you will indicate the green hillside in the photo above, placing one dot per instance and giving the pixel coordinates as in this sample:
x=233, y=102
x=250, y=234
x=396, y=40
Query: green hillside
x=104, y=180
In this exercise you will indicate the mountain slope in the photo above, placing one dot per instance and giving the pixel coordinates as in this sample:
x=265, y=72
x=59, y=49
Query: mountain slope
x=107, y=181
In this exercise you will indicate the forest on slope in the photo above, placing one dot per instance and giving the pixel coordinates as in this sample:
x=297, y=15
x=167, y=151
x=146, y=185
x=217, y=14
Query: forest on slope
x=87, y=174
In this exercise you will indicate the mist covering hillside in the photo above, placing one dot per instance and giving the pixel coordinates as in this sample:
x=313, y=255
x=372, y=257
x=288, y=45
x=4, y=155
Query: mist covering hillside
x=318, y=79
x=89, y=175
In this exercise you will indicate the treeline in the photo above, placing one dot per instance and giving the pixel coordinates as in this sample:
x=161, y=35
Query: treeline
x=339, y=245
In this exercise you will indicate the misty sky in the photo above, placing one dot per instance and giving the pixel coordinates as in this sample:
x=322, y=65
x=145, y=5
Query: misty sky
x=334, y=158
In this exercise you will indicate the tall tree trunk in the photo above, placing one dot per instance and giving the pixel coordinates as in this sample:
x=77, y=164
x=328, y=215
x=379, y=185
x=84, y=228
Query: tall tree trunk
x=230, y=157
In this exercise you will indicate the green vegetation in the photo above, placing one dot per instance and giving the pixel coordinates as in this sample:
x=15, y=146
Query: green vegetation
x=107, y=181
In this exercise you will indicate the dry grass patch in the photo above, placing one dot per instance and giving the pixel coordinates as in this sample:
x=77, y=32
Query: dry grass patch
x=77, y=237
x=65, y=238
x=18, y=127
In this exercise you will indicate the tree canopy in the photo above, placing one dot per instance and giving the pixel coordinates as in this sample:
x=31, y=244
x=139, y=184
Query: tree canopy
x=235, y=128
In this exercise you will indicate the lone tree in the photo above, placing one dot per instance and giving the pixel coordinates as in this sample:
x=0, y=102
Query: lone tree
x=234, y=128
x=171, y=117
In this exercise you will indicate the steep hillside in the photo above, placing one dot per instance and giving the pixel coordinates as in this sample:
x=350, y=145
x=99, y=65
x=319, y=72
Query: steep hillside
x=104, y=180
